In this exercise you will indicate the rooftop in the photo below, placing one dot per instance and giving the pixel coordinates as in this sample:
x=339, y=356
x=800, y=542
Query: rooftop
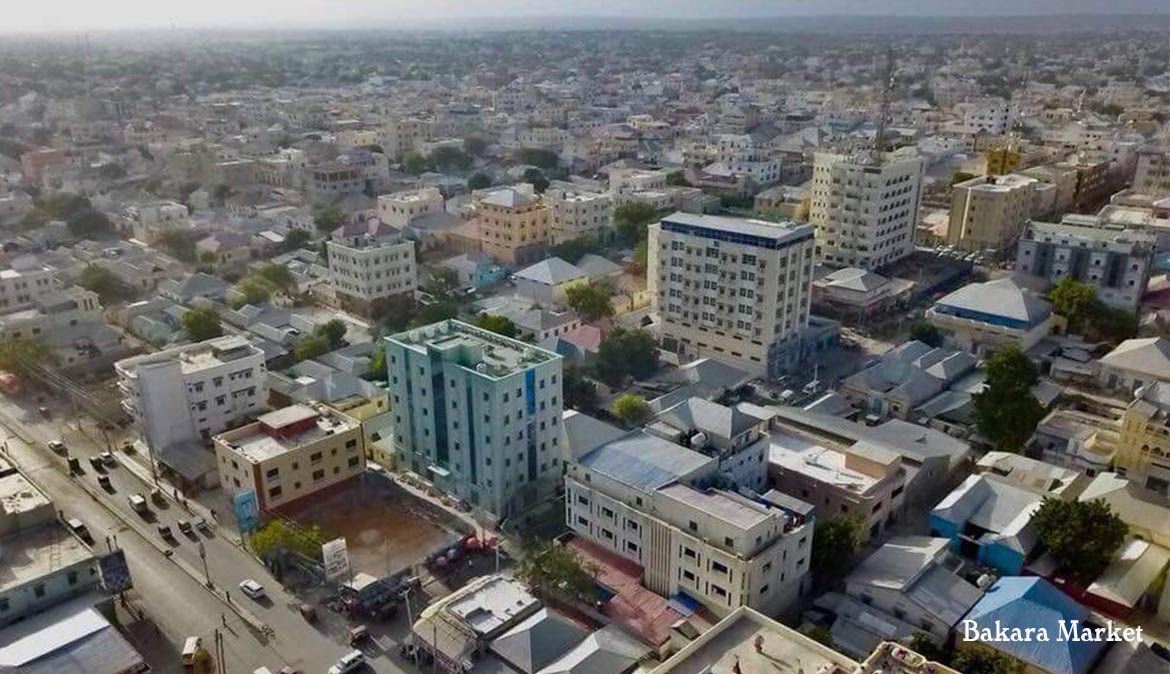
x=736, y=512
x=644, y=461
x=195, y=357
x=69, y=638
x=254, y=443
x=775, y=231
x=1002, y=509
x=34, y=553
x=1003, y=297
x=801, y=454
x=19, y=496
x=482, y=351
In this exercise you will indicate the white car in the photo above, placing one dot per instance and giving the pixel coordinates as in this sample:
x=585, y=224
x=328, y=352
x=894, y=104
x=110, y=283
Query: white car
x=252, y=588
x=348, y=663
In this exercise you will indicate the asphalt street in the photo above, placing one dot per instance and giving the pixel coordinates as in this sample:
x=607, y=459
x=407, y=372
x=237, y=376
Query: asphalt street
x=173, y=596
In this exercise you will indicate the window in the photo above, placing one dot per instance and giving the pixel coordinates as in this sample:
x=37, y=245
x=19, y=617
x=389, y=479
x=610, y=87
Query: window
x=319, y=474
x=315, y=457
x=274, y=491
x=718, y=591
x=718, y=568
x=631, y=525
x=728, y=541
x=764, y=590
x=607, y=534
x=693, y=526
x=632, y=547
x=353, y=461
x=581, y=500
x=607, y=512
x=272, y=472
x=688, y=575
x=39, y=589
x=582, y=521
x=687, y=552
x=72, y=578
x=350, y=444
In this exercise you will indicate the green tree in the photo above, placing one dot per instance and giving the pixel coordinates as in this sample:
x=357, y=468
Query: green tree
x=202, y=323
x=333, y=331
x=498, y=324
x=835, y=541
x=111, y=171
x=448, y=159
x=479, y=181
x=580, y=393
x=399, y=310
x=821, y=635
x=252, y=290
x=435, y=313
x=23, y=355
x=1073, y=300
x=475, y=145
x=311, y=346
x=973, y=658
x=551, y=567
x=1006, y=412
x=641, y=255
x=106, y=284
x=925, y=332
x=590, y=300
x=89, y=223
x=179, y=244
x=278, y=275
x=279, y=535
x=1081, y=536
x=677, y=179
x=630, y=221
x=626, y=353
x=960, y=176
x=924, y=645
x=545, y=159
x=328, y=219
x=415, y=164
x=574, y=249
x=632, y=409
x=538, y=180
x=220, y=193
x=440, y=282
x=296, y=238
x=378, y=364
x=208, y=258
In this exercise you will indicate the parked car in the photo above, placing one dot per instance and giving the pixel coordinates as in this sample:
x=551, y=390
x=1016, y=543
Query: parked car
x=348, y=663
x=108, y=459
x=156, y=495
x=96, y=463
x=104, y=483
x=165, y=531
x=252, y=588
x=184, y=527
x=74, y=465
x=58, y=447
x=78, y=527
x=138, y=504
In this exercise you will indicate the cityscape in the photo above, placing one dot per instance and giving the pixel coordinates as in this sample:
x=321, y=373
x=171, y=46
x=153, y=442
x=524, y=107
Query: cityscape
x=708, y=338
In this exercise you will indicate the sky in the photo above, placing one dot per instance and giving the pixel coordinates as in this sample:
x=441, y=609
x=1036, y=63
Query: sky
x=73, y=15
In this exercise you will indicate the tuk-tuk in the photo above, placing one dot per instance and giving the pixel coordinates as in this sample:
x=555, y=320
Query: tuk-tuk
x=74, y=465
x=358, y=634
x=308, y=612
x=156, y=495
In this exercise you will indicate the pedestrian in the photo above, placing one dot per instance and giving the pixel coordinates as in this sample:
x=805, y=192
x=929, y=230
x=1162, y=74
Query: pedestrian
x=223, y=618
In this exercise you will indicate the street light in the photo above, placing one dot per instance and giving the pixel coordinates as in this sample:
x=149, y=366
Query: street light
x=203, y=558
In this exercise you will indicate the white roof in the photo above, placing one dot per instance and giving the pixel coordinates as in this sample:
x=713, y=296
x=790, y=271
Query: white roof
x=1149, y=356
x=552, y=271
x=1128, y=577
x=1003, y=297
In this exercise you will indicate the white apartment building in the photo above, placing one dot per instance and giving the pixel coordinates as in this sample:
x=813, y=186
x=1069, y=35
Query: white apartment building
x=865, y=212
x=994, y=115
x=23, y=282
x=626, y=181
x=1113, y=260
x=369, y=263
x=398, y=209
x=989, y=212
x=650, y=501
x=1152, y=173
x=52, y=312
x=290, y=453
x=182, y=396
x=573, y=215
x=147, y=221
x=477, y=414
x=733, y=289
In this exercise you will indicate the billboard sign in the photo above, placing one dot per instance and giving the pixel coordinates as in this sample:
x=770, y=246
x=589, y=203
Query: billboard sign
x=115, y=572
x=247, y=510
x=336, y=559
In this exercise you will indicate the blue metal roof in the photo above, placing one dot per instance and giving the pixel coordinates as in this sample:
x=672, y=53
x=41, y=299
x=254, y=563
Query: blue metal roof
x=1017, y=601
x=644, y=461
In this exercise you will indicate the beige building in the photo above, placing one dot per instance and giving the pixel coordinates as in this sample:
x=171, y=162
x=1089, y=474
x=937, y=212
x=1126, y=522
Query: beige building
x=398, y=209
x=737, y=290
x=573, y=215
x=1152, y=174
x=513, y=226
x=289, y=454
x=989, y=212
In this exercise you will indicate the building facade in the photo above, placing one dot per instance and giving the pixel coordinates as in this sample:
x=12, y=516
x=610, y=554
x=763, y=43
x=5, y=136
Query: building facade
x=290, y=453
x=23, y=282
x=398, y=209
x=989, y=212
x=477, y=414
x=1143, y=452
x=732, y=289
x=513, y=226
x=865, y=211
x=573, y=215
x=1152, y=174
x=368, y=264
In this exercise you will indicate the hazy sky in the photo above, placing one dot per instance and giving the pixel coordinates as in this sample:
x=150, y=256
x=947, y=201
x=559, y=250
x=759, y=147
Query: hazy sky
x=70, y=15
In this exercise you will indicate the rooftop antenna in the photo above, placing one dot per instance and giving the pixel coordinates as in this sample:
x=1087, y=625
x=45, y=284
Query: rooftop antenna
x=887, y=84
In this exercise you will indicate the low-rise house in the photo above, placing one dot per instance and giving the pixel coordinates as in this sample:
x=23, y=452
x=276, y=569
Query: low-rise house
x=197, y=286
x=1078, y=440
x=981, y=317
x=905, y=378
x=546, y=282
x=227, y=248
x=1135, y=363
x=1145, y=512
x=989, y=520
x=853, y=292
x=737, y=439
x=475, y=269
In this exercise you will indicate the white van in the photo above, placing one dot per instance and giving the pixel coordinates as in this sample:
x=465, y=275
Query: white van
x=190, y=650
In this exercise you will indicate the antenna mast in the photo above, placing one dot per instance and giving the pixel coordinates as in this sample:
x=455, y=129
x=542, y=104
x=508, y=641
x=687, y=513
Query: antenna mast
x=887, y=84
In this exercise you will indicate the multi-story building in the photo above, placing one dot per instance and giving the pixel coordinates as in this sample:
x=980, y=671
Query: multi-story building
x=513, y=226
x=989, y=212
x=290, y=453
x=478, y=414
x=865, y=211
x=1114, y=261
x=1143, y=451
x=627, y=181
x=333, y=179
x=1152, y=174
x=982, y=317
x=182, y=396
x=650, y=500
x=57, y=311
x=147, y=221
x=370, y=262
x=573, y=215
x=398, y=209
x=733, y=289
x=23, y=282
x=993, y=115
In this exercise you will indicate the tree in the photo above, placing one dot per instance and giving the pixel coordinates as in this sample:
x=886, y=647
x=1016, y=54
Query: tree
x=498, y=324
x=278, y=275
x=545, y=159
x=333, y=331
x=549, y=566
x=440, y=282
x=111, y=171
x=378, y=364
x=630, y=221
x=415, y=164
x=311, y=346
x=110, y=288
x=1081, y=536
x=89, y=223
x=297, y=238
x=835, y=541
x=1006, y=412
x=632, y=409
x=220, y=193
x=641, y=255
x=23, y=354
x=435, y=313
x=202, y=323
x=1074, y=300
x=973, y=658
x=677, y=179
x=580, y=393
x=399, y=311
x=960, y=176
x=252, y=290
x=328, y=219
x=574, y=249
x=626, y=353
x=475, y=145
x=821, y=635
x=447, y=159
x=479, y=181
x=278, y=534
x=925, y=332
x=590, y=300
x=179, y=244
x=539, y=182
x=924, y=645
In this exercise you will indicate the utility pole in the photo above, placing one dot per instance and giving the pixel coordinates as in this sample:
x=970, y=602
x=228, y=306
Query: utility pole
x=410, y=622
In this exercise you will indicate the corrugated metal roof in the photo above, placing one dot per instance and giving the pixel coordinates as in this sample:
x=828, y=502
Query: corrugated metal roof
x=644, y=462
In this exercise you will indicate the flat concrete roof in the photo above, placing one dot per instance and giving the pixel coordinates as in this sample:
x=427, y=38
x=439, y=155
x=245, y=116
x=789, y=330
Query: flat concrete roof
x=35, y=553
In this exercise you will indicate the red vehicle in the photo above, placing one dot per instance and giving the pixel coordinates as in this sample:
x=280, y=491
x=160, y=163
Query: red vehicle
x=9, y=383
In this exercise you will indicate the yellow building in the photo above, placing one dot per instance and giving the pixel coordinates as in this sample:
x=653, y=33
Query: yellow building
x=513, y=227
x=1143, y=448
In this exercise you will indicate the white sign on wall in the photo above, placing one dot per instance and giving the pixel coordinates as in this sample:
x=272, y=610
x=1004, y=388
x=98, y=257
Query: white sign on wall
x=336, y=559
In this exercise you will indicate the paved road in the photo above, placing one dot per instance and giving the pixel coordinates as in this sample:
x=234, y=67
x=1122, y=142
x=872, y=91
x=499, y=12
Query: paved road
x=178, y=603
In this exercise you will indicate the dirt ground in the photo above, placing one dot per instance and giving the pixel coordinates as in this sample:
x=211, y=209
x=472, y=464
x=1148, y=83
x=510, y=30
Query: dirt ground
x=383, y=531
